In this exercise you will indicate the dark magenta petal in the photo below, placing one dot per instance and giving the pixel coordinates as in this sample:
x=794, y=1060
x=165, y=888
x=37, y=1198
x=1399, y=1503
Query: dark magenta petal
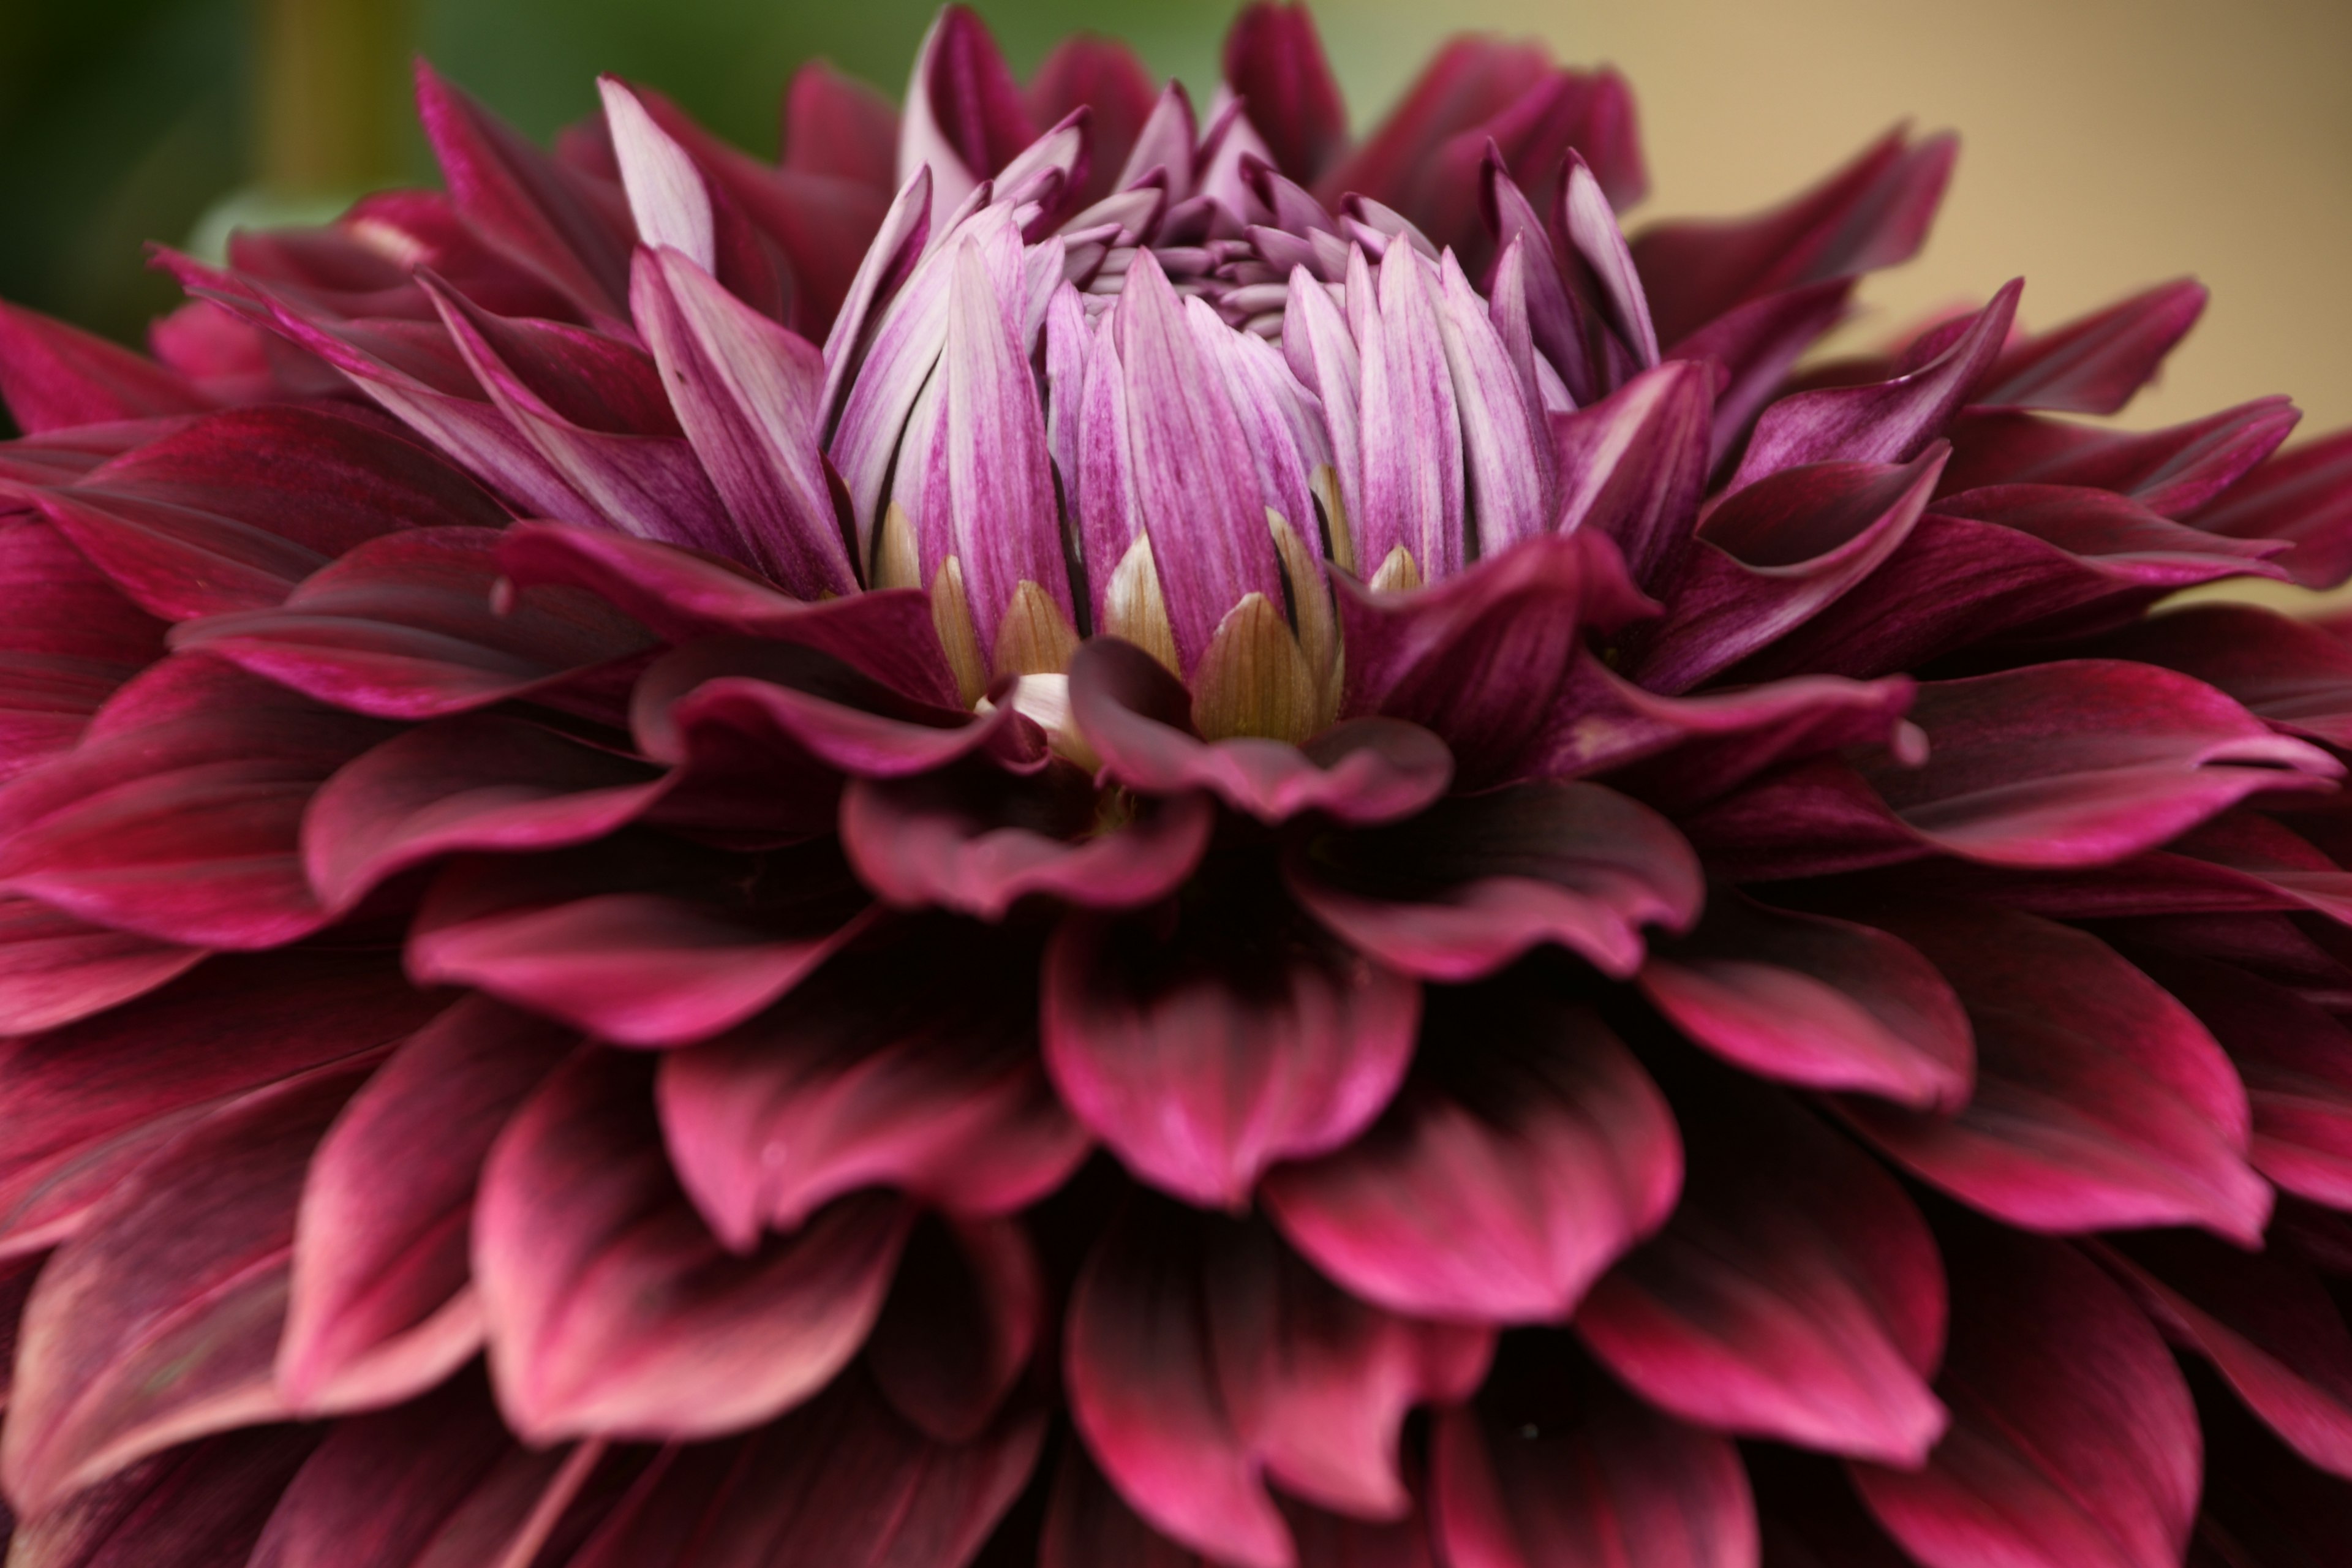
x=1274, y=61
x=159, y=1322
x=836, y=124
x=964, y=1313
x=964, y=116
x=86, y=1104
x=2081, y=762
x=2173, y=471
x=2261, y=1503
x=1087, y=1522
x=408, y=626
x=2296, y=1061
x=1755, y=345
x=71, y=640
x=892, y=1068
x=1562, y=1467
x=1204, y=1041
x=781, y=697
x=482, y=783
x=657, y=956
x=1796, y=1294
x=1465, y=887
x=1634, y=465
x=55, y=969
x=2100, y=1102
x=1137, y=718
x=2294, y=676
x=2074, y=1443
x=1532, y=1154
x=842, y=1480
x=176, y=816
x=1887, y=422
x=1776, y=554
x=1684, y=751
x=436, y=1480
x=2303, y=496
x=1467, y=658
x=2094, y=365
x=572, y=232
x=2011, y=561
x=380, y=1305
x=1873, y=213
x=2266, y=1322
x=1203, y=1359
x=204, y=1502
x=682, y=595
x=1104, y=77
x=188, y=525
x=53, y=375
x=676, y=1338
x=979, y=841
x=1815, y=1002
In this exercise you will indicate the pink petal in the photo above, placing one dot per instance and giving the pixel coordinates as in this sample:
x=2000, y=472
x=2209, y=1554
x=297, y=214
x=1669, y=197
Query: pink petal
x=1533, y=1154
x=841, y=1482
x=1816, y=1002
x=1755, y=345
x=1633, y=466
x=965, y=117
x=2074, y=1443
x=204, y=1502
x=2297, y=678
x=2267, y=1323
x=1465, y=887
x=2050, y=1140
x=2095, y=364
x=1796, y=1294
x=86, y=1105
x=1203, y=1050
x=2304, y=495
x=1137, y=718
x=1873, y=213
x=2262, y=1504
x=964, y=1314
x=612, y=1310
x=159, y=1322
x=980, y=841
x=2173, y=471
x=53, y=375
x=1413, y=451
x=888, y=1070
x=378, y=1291
x=1560, y=1468
x=1103, y=76
x=1274, y=61
x=55, y=969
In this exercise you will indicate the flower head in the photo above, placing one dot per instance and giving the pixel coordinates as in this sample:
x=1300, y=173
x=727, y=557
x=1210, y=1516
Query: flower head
x=1139, y=835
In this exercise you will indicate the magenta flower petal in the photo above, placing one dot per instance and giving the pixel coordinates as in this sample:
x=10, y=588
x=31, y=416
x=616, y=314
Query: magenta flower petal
x=1548, y=1474
x=1137, y=718
x=207, y=1501
x=1754, y=346
x=1633, y=465
x=1203, y=1052
x=2266, y=1324
x=2173, y=471
x=929, y=1084
x=980, y=842
x=957, y=1333
x=1274, y=61
x=2304, y=495
x=159, y=1322
x=2073, y=1443
x=779, y=1492
x=1462, y=889
x=697, y=1344
x=1806, y=1304
x=60, y=377
x=440, y=1479
x=2047, y=1142
x=1537, y=1153
x=964, y=118
x=1815, y=1002
x=2095, y=364
x=379, y=1303
x=89, y=1103
x=2298, y=678
x=55, y=969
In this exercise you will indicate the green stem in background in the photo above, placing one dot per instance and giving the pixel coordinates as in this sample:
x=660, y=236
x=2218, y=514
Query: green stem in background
x=328, y=103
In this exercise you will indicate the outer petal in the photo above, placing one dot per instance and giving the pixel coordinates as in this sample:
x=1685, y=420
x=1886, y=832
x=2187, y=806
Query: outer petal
x=2294, y=676
x=1532, y=1154
x=1560, y=1469
x=379, y=1302
x=891, y=1069
x=965, y=1312
x=204, y=1502
x=1464, y=889
x=2174, y=471
x=1796, y=1294
x=2095, y=364
x=53, y=375
x=1634, y=465
x=2305, y=496
x=1816, y=1002
x=1274, y=60
x=158, y=1323
x=2049, y=1141
x=55, y=969
x=611, y=1308
x=2073, y=1442
x=1204, y=1045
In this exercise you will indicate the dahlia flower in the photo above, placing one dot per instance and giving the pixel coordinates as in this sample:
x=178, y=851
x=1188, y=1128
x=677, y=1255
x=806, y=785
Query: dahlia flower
x=1088, y=833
